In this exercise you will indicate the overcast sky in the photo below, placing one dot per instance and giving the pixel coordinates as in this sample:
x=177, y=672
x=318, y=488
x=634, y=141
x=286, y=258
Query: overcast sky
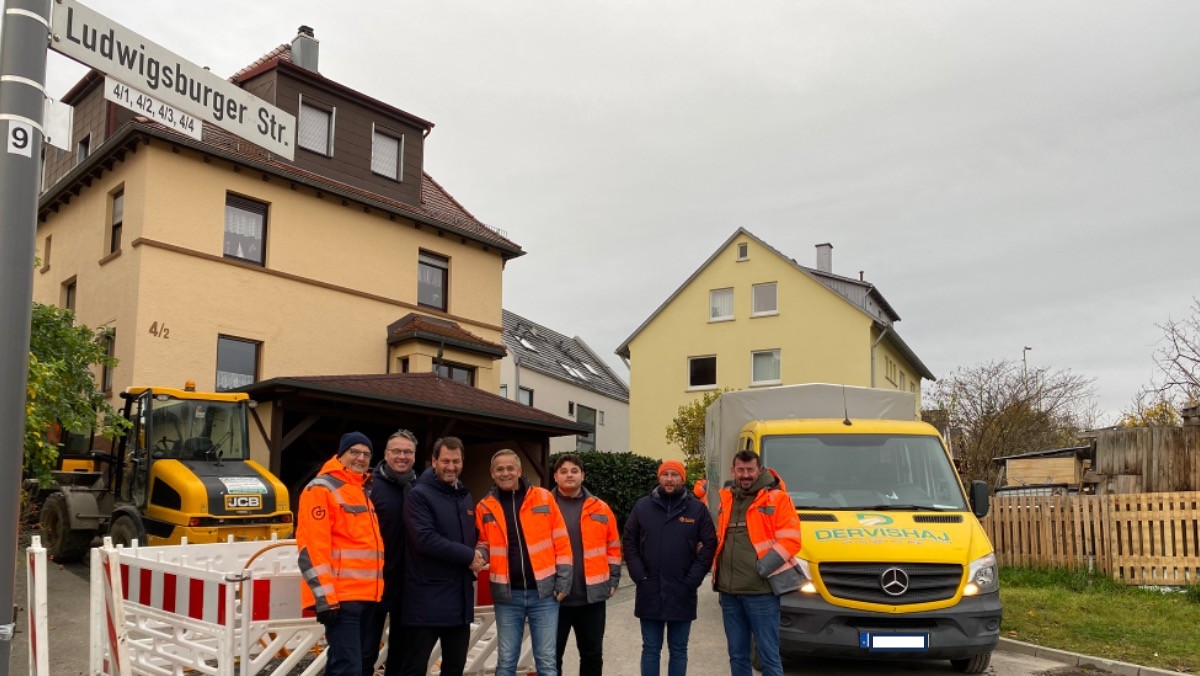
x=1008, y=174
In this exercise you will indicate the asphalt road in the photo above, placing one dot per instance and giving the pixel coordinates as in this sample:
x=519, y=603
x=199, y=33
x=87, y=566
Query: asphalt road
x=69, y=630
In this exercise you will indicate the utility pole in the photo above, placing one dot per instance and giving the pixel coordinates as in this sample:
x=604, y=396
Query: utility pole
x=23, y=46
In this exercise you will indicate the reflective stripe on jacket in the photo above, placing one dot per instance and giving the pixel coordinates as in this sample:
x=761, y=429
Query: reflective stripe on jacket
x=341, y=551
x=774, y=530
x=601, y=548
x=546, y=540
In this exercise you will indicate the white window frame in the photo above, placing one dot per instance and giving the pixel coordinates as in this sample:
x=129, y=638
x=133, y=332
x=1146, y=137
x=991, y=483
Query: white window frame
x=743, y=251
x=329, y=110
x=764, y=313
x=521, y=390
x=504, y=391
x=712, y=306
x=762, y=383
x=688, y=375
x=398, y=175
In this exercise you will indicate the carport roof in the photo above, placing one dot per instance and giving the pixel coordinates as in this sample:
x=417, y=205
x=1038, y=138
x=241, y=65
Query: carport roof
x=427, y=392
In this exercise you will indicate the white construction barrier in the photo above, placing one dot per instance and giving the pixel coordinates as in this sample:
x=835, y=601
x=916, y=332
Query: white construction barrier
x=35, y=588
x=228, y=609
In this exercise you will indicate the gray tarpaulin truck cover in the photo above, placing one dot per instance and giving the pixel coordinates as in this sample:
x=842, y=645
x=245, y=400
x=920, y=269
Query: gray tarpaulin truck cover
x=732, y=410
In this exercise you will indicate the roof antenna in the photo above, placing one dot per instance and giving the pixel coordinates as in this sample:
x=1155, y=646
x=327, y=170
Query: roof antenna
x=846, y=408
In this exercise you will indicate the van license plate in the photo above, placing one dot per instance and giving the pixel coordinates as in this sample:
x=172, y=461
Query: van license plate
x=890, y=641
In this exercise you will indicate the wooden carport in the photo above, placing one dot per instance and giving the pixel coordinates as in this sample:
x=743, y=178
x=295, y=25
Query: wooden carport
x=302, y=417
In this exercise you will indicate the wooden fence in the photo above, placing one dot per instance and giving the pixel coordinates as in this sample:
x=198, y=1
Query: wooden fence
x=1143, y=538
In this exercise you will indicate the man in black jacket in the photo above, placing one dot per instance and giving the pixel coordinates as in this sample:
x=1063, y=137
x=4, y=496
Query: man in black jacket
x=440, y=563
x=669, y=544
x=392, y=480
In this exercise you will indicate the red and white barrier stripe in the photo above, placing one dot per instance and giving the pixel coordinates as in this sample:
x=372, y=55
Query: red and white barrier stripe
x=39, y=649
x=203, y=600
x=276, y=598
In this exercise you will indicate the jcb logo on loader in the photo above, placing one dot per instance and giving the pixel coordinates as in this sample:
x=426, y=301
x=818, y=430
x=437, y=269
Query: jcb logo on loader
x=243, y=501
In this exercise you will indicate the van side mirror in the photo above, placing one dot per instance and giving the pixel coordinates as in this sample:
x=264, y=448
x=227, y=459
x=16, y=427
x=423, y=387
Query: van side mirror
x=980, y=496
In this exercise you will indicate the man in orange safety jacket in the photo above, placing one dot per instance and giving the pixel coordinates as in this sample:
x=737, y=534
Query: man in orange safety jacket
x=758, y=539
x=523, y=538
x=341, y=555
x=596, y=545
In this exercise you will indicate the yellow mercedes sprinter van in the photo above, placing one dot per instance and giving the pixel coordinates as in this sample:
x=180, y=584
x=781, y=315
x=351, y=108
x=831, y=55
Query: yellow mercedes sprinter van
x=897, y=563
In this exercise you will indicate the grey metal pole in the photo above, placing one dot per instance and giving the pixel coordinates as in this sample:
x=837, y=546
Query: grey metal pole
x=23, y=45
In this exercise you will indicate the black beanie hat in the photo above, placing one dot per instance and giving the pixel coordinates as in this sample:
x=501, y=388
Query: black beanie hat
x=351, y=439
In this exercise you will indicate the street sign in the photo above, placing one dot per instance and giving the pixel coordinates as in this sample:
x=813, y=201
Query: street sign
x=144, y=104
x=116, y=51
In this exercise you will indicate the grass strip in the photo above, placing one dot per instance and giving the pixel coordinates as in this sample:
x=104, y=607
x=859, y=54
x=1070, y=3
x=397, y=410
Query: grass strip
x=1092, y=614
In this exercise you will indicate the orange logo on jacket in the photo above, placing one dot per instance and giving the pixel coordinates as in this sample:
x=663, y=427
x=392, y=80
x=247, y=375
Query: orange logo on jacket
x=684, y=519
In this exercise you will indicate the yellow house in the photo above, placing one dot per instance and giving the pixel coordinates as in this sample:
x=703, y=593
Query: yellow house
x=212, y=260
x=751, y=316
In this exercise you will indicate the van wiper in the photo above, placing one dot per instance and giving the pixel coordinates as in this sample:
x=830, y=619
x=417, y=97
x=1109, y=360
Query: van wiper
x=907, y=508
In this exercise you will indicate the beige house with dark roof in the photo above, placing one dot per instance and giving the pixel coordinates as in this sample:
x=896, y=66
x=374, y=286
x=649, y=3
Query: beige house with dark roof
x=215, y=261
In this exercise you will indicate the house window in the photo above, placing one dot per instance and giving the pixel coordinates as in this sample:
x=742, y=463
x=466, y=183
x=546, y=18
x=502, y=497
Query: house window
x=118, y=222
x=585, y=416
x=433, y=276
x=315, y=129
x=68, y=296
x=600, y=417
x=702, y=372
x=386, y=155
x=456, y=372
x=570, y=408
x=110, y=350
x=245, y=229
x=743, y=251
x=766, y=301
x=720, y=305
x=83, y=148
x=504, y=391
x=572, y=371
x=525, y=396
x=764, y=367
x=237, y=362
x=890, y=369
x=526, y=344
x=903, y=380
x=46, y=255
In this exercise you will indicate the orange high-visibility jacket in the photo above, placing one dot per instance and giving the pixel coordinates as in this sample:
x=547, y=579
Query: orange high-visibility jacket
x=546, y=540
x=601, y=548
x=341, y=551
x=774, y=530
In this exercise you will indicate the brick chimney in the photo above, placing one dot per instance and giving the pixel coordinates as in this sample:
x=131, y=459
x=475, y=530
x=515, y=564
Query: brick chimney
x=825, y=257
x=305, y=49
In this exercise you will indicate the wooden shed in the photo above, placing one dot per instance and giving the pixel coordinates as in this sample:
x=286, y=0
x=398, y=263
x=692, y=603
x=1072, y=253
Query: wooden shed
x=1050, y=469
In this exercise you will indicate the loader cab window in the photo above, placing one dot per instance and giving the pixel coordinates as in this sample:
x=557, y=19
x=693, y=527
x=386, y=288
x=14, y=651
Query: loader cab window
x=196, y=429
x=870, y=472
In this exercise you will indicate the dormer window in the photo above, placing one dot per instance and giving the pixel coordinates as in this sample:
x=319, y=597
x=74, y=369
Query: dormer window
x=315, y=129
x=527, y=345
x=591, y=368
x=386, y=155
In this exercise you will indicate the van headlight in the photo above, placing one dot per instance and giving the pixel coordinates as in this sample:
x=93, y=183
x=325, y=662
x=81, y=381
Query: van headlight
x=806, y=578
x=982, y=577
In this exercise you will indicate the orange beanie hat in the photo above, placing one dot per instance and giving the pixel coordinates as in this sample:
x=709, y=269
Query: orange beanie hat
x=672, y=464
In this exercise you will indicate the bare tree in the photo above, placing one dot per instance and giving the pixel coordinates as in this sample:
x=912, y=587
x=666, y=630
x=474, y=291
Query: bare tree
x=1002, y=408
x=1178, y=359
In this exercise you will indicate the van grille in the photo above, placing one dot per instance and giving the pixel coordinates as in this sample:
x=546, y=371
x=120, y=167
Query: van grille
x=863, y=581
x=938, y=518
x=826, y=518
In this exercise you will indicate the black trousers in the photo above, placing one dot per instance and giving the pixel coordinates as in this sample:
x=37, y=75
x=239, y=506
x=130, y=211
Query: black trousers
x=419, y=642
x=588, y=623
x=397, y=647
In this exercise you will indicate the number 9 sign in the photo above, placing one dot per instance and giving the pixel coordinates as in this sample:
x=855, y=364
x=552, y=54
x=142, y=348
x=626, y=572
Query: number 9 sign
x=20, y=138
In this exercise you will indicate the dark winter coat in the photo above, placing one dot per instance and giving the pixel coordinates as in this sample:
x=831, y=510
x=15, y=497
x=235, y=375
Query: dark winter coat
x=388, y=493
x=669, y=546
x=439, y=527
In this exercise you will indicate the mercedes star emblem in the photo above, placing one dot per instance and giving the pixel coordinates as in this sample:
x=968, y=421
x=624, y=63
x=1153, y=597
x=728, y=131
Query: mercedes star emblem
x=893, y=581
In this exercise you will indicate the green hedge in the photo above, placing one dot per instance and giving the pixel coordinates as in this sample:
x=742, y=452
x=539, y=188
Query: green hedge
x=617, y=478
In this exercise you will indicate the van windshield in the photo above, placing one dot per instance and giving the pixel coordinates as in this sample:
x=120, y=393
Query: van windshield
x=864, y=472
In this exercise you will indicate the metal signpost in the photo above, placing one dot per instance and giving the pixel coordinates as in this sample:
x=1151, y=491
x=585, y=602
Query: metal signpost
x=142, y=76
x=22, y=100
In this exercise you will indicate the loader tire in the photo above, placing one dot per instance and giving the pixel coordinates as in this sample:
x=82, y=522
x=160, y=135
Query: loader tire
x=65, y=545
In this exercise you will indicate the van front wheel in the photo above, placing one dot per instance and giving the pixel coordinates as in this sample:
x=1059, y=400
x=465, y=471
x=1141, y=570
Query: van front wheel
x=974, y=665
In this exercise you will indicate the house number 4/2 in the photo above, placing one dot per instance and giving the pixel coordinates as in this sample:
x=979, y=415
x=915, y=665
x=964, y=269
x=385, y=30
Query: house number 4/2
x=160, y=331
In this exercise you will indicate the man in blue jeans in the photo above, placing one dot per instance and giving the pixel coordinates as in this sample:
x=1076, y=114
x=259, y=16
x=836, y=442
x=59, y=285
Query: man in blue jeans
x=759, y=537
x=669, y=542
x=524, y=541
